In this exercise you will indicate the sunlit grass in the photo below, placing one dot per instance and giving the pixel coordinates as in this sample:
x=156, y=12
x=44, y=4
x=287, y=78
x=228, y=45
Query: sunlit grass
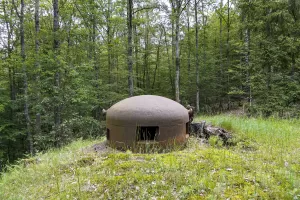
x=263, y=163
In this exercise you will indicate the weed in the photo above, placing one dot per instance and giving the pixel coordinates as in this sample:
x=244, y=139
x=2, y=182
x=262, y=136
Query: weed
x=215, y=141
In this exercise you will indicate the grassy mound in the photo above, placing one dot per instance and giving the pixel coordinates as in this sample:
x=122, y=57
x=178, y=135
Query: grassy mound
x=263, y=163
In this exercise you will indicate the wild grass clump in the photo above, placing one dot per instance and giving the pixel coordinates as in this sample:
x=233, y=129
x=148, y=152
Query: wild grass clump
x=264, y=164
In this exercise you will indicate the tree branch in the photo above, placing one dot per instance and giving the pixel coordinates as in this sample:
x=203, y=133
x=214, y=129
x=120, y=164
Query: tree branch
x=221, y=16
x=187, y=2
x=16, y=9
x=83, y=18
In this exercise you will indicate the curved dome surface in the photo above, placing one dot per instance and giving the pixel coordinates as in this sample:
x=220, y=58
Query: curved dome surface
x=147, y=110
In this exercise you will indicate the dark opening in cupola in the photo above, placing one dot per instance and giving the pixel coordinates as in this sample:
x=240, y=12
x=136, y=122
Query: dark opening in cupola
x=147, y=132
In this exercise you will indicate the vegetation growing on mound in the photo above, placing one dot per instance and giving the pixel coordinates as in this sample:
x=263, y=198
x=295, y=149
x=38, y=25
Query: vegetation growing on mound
x=263, y=163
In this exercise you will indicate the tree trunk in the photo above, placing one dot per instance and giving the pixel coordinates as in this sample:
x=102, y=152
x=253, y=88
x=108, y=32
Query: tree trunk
x=97, y=110
x=189, y=44
x=197, y=58
x=247, y=61
x=295, y=13
x=136, y=45
x=177, y=55
x=57, y=109
x=109, y=40
x=93, y=46
x=173, y=40
x=25, y=83
x=129, y=53
x=227, y=53
x=204, y=18
x=37, y=64
x=221, y=32
x=11, y=71
x=146, y=54
x=157, y=59
x=37, y=42
x=169, y=60
x=221, y=57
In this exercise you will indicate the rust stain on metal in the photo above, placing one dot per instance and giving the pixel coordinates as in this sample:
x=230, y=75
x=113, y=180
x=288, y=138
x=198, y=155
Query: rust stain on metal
x=125, y=118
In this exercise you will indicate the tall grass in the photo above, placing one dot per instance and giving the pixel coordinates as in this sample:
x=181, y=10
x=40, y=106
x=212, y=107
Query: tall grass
x=268, y=132
x=263, y=164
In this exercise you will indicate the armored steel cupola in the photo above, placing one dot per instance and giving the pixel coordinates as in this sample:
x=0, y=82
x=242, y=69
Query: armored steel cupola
x=146, y=119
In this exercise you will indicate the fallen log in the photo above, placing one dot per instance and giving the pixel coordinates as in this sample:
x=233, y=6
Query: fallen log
x=201, y=130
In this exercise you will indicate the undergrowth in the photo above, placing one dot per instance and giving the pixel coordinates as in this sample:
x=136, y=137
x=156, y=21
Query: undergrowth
x=263, y=163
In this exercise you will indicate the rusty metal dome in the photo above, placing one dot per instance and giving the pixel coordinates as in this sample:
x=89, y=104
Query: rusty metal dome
x=162, y=119
x=147, y=110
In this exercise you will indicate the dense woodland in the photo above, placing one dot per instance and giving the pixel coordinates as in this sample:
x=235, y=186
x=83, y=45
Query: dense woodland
x=63, y=61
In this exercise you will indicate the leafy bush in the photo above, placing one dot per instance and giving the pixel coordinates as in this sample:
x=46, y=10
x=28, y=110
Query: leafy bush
x=82, y=127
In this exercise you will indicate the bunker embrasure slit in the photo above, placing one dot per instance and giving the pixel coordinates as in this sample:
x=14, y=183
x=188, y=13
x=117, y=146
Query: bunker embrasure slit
x=107, y=134
x=147, y=133
x=187, y=131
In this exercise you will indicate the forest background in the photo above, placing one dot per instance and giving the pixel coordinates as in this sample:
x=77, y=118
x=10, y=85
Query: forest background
x=63, y=61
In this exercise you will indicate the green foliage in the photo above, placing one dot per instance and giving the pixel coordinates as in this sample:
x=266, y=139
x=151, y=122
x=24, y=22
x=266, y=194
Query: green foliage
x=82, y=127
x=226, y=125
x=248, y=56
x=215, y=141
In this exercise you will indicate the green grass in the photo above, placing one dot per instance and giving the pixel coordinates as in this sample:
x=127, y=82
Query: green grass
x=264, y=163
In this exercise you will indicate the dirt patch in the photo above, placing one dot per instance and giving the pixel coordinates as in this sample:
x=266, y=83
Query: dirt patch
x=99, y=148
x=138, y=159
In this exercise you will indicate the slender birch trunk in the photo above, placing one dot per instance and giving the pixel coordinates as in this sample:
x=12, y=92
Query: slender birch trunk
x=129, y=50
x=197, y=58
